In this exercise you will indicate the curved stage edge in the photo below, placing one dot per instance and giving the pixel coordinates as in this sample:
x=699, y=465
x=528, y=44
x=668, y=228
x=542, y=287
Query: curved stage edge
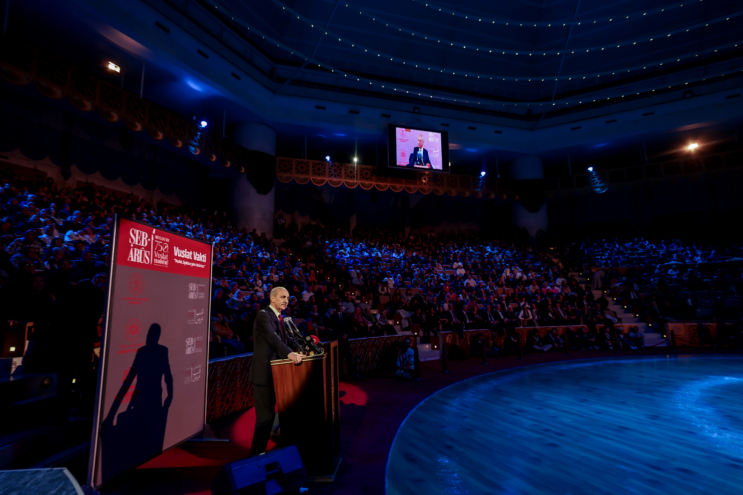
x=662, y=423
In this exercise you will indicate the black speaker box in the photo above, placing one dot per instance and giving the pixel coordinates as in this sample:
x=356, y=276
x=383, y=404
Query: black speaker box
x=279, y=471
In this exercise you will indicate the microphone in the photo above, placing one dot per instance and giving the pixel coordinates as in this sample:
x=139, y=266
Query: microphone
x=309, y=346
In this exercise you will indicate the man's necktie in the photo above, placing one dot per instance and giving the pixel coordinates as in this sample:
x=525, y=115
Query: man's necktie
x=283, y=329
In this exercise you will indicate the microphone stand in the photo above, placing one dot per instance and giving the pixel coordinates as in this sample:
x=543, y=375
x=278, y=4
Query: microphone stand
x=307, y=344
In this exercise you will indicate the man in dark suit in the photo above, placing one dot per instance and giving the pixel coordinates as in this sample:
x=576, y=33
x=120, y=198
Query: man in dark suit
x=493, y=319
x=451, y=321
x=269, y=338
x=340, y=326
x=419, y=156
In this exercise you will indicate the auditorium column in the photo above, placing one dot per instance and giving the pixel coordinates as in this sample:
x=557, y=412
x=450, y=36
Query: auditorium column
x=405, y=207
x=253, y=193
x=351, y=210
x=530, y=211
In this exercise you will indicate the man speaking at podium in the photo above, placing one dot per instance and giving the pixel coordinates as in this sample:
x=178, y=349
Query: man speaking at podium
x=419, y=156
x=270, y=338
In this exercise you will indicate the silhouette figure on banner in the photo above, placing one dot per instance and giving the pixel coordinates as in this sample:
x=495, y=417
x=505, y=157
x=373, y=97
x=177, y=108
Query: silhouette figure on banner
x=139, y=432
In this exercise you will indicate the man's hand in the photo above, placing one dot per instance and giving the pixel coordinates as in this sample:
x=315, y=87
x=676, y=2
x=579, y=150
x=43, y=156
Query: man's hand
x=296, y=358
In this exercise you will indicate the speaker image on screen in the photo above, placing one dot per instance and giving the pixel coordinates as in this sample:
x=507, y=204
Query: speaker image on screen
x=276, y=471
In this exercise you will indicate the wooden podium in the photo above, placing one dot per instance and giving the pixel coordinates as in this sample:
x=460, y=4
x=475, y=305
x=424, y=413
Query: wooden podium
x=307, y=401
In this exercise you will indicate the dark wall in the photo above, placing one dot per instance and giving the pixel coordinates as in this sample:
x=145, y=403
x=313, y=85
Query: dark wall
x=41, y=127
x=387, y=209
x=707, y=205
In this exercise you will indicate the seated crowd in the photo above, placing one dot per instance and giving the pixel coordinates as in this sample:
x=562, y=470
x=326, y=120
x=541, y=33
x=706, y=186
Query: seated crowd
x=55, y=247
x=659, y=281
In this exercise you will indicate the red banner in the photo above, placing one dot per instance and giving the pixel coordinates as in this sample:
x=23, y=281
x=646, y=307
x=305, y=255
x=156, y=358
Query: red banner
x=149, y=248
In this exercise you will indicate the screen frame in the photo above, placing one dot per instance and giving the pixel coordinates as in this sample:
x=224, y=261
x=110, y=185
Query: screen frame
x=392, y=149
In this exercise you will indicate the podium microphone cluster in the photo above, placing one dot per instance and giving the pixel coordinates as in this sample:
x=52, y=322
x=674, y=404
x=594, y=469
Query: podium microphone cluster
x=305, y=344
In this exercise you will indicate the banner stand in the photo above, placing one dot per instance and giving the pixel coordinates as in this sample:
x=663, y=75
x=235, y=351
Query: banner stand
x=208, y=435
x=154, y=363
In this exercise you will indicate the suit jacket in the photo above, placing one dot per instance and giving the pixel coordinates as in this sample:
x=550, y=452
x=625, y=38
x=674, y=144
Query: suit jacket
x=496, y=318
x=268, y=346
x=414, y=157
x=340, y=325
x=464, y=316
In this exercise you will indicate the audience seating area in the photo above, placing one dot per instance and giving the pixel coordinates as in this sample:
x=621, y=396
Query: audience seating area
x=370, y=290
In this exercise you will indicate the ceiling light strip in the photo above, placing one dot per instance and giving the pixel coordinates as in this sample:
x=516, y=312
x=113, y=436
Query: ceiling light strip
x=412, y=64
x=400, y=89
x=505, y=22
x=479, y=49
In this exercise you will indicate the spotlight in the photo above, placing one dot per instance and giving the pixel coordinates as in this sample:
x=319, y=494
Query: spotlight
x=482, y=174
x=327, y=158
x=355, y=159
x=597, y=182
x=692, y=146
x=112, y=66
x=195, y=145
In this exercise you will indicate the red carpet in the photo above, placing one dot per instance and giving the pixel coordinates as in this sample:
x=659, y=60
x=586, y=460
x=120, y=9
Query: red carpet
x=371, y=412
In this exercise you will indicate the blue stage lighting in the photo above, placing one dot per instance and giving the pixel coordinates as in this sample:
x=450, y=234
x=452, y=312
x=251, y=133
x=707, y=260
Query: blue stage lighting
x=327, y=158
x=482, y=174
x=590, y=169
x=203, y=124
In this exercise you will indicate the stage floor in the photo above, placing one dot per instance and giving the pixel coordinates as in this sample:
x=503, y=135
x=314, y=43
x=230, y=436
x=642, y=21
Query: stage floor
x=643, y=425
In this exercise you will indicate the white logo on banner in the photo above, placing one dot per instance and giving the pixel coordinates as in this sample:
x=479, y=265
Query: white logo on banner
x=195, y=317
x=194, y=345
x=196, y=291
x=148, y=248
x=193, y=374
x=160, y=251
x=139, y=247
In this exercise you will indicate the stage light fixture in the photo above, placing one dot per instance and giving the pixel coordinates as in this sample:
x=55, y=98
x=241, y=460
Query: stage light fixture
x=195, y=145
x=112, y=66
x=355, y=159
x=327, y=158
x=482, y=174
x=692, y=146
x=597, y=182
